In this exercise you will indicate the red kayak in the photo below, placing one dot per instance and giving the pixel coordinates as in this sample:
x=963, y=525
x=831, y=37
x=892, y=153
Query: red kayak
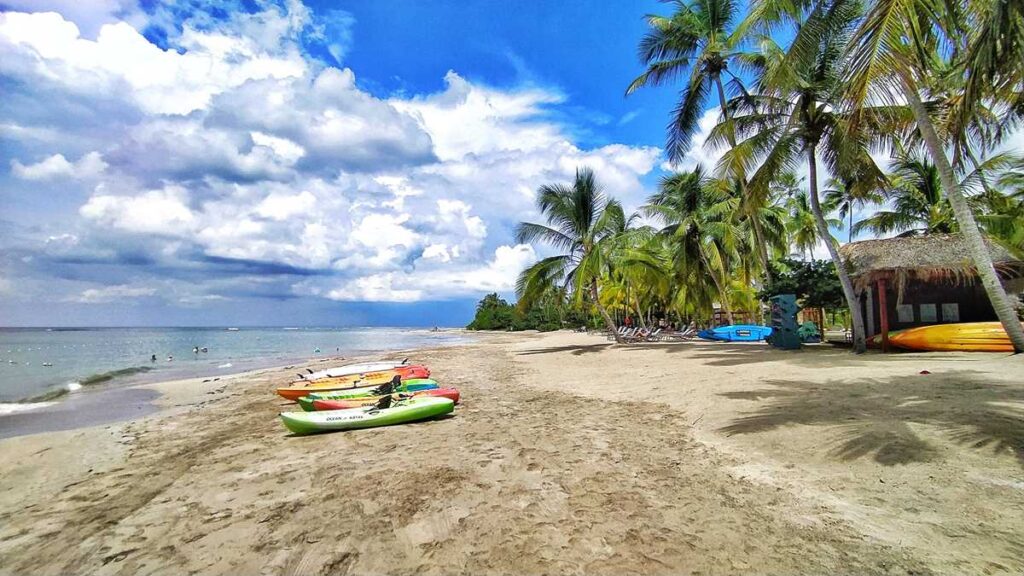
x=450, y=393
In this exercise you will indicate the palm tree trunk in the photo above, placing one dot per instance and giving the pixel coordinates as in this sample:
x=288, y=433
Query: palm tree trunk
x=608, y=322
x=755, y=222
x=859, y=341
x=965, y=219
x=849, y=238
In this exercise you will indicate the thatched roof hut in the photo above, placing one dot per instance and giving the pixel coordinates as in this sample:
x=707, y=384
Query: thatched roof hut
x=937, y=258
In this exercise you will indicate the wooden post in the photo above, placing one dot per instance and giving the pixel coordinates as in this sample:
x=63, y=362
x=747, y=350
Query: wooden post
x=883, y=314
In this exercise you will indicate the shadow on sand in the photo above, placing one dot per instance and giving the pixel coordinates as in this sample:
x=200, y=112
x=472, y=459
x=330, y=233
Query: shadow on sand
x=574, y=350
x=874, y=416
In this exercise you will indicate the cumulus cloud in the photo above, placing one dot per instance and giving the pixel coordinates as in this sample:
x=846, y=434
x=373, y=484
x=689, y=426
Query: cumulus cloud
x=88, y=166
x=163, y=212
x=231, y=163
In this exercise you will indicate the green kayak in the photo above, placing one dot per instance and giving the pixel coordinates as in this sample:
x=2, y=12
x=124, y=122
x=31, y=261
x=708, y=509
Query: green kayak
x=411, y=385
x=397, y=413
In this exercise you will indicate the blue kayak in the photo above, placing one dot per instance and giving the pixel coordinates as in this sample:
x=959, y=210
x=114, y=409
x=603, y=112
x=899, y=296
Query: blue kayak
x=737, y=333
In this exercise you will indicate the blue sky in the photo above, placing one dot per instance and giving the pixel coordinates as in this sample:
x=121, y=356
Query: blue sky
x=273, y=162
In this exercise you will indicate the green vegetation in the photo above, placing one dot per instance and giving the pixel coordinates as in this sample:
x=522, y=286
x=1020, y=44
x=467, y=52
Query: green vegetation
x=899, y=106
x=494, y=313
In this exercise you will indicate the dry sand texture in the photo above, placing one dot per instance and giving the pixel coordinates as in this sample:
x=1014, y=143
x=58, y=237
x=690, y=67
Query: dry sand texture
x=565, y=457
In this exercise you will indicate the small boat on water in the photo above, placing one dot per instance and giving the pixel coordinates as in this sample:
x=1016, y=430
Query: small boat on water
x=964, y=336
x=736, y=333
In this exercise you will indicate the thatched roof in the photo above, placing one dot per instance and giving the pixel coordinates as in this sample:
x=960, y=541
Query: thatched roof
x=930, y=258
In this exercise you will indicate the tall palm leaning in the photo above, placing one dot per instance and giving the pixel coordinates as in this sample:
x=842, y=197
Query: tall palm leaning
x=698, y=38
x=793, y=117
x=582, y=223
x=892, y=56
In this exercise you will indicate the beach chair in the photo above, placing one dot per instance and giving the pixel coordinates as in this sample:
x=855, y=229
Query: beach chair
x=688, y=334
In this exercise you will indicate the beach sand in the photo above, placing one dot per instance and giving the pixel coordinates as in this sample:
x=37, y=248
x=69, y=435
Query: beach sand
x=567, y=455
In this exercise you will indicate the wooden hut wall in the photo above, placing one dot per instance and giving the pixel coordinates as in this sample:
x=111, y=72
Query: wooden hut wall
x=972, y=305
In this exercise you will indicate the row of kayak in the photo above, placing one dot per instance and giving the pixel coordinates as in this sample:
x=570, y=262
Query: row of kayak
x=365, y=396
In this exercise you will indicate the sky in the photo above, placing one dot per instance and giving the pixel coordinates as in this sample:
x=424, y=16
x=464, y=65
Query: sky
x=274, y=162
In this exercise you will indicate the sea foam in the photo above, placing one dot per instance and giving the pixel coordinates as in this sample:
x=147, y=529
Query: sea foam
x=14, y=407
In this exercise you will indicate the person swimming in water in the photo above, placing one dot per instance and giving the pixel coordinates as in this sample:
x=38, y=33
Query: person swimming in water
x=152, y=358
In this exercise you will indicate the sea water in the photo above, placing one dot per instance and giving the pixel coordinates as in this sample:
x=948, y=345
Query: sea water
x=39, y=366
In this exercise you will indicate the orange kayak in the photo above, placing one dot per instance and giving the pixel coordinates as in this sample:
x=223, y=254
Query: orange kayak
x=406, y=372
x=368, y=381
x=966, y=336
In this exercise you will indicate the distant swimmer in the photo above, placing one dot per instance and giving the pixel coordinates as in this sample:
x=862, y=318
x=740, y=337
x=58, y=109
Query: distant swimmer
x=316, y=351
x=195, y=349
x=203, y=349
x=152, y=358
x=170, y=358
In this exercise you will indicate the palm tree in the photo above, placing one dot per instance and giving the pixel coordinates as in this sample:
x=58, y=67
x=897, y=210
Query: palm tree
x=581, y=222
x=896, y=51
x=698, y=38
x=918, y=206
x=794, y=116
x=846, y=196
x=699, y=214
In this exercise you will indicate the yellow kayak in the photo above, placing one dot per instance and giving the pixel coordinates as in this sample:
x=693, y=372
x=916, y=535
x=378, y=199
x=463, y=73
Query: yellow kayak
x=967, y=336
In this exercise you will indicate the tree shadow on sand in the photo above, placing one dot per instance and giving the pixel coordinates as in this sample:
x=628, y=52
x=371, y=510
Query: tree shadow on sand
x=574, y=350
x=875, y=416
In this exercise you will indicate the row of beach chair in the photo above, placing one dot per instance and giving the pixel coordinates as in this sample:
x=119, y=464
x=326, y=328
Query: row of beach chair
x=656, y=335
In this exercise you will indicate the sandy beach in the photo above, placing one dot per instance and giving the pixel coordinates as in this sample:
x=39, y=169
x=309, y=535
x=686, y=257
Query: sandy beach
x=567, y=455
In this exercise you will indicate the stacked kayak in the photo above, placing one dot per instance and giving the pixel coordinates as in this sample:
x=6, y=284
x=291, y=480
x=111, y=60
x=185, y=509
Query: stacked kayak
x=398, y=386
x=302, y=388
x=346, y=398
x=965, y=336
x=736, y=333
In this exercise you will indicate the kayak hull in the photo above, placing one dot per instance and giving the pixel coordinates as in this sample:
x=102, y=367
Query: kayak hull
x=334, y=420
x=407, y=387
x=318, y=405
x=737, y=333
x=414, y=371
x=350, y=369
x=966, y=336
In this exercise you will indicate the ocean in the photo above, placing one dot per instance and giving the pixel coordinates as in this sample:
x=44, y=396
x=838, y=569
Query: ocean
x=40, y=366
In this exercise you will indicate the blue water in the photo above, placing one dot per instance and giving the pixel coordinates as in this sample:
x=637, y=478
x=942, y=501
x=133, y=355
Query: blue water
x=96, y=357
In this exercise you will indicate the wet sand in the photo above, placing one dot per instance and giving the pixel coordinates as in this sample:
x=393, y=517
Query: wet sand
x=566, y=456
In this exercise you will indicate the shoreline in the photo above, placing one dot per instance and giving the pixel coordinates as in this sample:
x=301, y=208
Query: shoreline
x=567, y=454
x=120, y=399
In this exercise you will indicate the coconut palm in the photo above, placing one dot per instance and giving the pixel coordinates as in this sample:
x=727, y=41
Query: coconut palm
x=582, y=223
x=697, y=38
x=699, y=214
x=846, y=196
x=894, y=55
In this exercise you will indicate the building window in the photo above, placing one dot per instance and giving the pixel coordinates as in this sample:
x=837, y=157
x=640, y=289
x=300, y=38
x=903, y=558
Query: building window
x=928, y=313
x=951, y=312
x=905, y=313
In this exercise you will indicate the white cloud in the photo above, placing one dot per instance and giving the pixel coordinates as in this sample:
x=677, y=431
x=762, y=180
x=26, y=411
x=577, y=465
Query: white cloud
x=160, y=81
x=279, y=206
x=163, y=211
x=113, y=294
x=88, y=166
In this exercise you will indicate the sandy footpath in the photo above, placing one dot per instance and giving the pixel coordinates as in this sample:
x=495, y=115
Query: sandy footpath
x=566, y=456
